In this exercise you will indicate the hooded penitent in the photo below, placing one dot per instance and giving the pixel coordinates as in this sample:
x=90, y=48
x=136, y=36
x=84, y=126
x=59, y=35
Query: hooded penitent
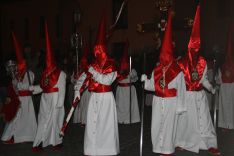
x=192, y=64
x=51, y=72
x=21, y=63
x=168, y=69
x=10, y=109
x=227, y=68
x=102, y=63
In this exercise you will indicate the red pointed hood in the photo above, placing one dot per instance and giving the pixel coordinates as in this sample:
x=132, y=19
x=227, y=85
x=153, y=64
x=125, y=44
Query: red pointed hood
x=51, y=73
x=50, y=60
x=124, y=65
x=100, y=49
x=21, y=63
x=166, y=53
x=194, y=41
x=227, y=68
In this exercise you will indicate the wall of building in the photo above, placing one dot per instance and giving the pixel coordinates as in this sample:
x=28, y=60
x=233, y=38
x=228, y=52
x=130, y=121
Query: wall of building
x=213, y=25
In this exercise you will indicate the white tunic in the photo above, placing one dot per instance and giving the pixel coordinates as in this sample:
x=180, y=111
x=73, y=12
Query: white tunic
x=195, y=127
x=165, y=112
x=51, y=114
x=226, y=105
x=80, y=114
x=101, y=131
x=23, y=127
x=123, y=101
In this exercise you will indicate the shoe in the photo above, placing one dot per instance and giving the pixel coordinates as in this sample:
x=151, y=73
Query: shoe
x=166, y=154
x=57, y=147
x=9, y=142
x=37, y=149
x=179, y=148
x=214, y=151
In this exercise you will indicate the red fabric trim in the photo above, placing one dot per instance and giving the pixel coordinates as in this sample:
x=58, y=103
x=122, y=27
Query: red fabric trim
x=171, y=73
x=108, y=67
x=50, y=90
x=122, y=76
x=99, y=88
x=24, y=93
x=64, y=126
x=185, y=65
x=49, y=81
x=9, y=110
x=125, y=84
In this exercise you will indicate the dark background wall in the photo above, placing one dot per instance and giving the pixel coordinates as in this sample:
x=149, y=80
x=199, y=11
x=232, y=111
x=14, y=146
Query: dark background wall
x=26, y=18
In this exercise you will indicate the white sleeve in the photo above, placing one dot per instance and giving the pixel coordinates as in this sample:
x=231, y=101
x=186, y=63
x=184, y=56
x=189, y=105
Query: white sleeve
x=106, y=79
x=80, y=81
x=181, y=89
x=205, y=82
x=78, y=85
x=62, y=89
x=149, y=83
x=37, y=89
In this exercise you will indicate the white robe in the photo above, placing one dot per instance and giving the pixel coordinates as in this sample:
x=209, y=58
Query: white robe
x=226, y=104
x=101, y=131
x=123, y=101
x=51, y=114
x=80, y=113
x=195, y=127
x=165, y=113
x=23, y=127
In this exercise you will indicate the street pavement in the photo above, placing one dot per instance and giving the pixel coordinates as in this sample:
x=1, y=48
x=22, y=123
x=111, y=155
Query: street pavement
x=129, y=142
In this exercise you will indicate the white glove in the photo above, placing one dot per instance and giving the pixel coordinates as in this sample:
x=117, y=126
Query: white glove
x=91, y=70
x=31, y=88
x=213, y=90
x=76, y=88
x=208, y=86
x=143, y=77
x=76, y=95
